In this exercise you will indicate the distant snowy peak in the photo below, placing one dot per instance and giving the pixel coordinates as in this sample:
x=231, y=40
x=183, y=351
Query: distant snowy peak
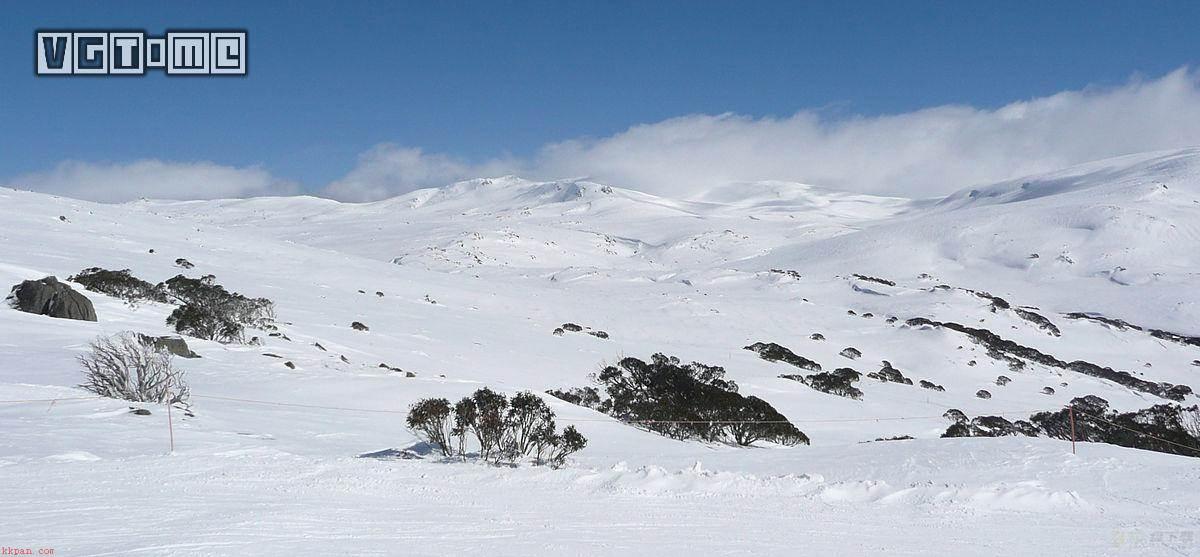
x=780, y=196
x=1131, y=177
x=510, y=192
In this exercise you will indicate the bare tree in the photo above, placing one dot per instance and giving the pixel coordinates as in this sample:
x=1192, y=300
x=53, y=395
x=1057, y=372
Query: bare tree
x=126, y=367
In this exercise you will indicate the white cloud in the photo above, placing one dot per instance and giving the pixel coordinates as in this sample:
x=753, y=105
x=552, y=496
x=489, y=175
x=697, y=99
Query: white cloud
x=150, y=178
x=923, y=153
x=927, y=152
x=387, y=170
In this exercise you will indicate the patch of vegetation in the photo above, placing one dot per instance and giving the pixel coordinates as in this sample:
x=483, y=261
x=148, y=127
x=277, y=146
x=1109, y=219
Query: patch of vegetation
x=120, y=284
x=587, y=397
x=1166, y=428
x=1006, y=349
x=501, y=430
x=989, y=426
x=685, y=401
x=1122, y=325
x=998, y=303
x=931, y=386
x=125, y=367
x=208, y=311
x=876, y=280
x=838, y=382
x=772, y=352
x=574, y=328
x=894, y=438
x=889, y=374
x=1039, y=320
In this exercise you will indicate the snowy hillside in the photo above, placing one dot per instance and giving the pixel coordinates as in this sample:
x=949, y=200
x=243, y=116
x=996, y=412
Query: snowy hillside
x=463, y=287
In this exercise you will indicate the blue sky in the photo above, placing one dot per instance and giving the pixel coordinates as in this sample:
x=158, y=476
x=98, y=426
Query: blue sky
x=486, y=81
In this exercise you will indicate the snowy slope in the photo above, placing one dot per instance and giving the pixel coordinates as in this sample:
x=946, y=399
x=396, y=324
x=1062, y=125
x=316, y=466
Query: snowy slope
x=474, y=278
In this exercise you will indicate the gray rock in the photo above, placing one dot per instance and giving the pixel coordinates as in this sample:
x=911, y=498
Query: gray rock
x=173, y=344
x=50, y=297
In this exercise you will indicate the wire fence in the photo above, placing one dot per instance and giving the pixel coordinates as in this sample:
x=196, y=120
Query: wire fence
x=1196, y=450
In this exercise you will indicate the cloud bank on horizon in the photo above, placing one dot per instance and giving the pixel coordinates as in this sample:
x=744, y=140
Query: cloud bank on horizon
x=928, y=152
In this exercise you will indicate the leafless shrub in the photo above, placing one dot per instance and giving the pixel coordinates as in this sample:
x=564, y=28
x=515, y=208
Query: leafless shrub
x=123, y=366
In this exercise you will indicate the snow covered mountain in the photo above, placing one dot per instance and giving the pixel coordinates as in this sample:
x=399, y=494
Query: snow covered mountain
x=463, y=286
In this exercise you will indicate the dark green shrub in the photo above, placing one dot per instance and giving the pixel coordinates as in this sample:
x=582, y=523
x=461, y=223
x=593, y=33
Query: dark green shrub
x=430, y=418
x=690, y=401
x=209, y=311
x=120, y=284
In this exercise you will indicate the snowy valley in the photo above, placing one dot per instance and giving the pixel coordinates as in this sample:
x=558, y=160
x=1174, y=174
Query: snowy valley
x=1005, y=300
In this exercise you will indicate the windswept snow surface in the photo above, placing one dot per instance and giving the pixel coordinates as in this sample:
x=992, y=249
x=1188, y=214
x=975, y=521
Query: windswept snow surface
x=474, y=278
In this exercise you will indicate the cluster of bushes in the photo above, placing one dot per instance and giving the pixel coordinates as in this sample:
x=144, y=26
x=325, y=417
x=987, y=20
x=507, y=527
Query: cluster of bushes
x=206, y=309
x=889, y=374
x=931, y=386
x=1167, y=428
x=501, y=430
x=684, y=401
x=587, y=397
x=773, y=352
x=573, y=328
x=838, y=382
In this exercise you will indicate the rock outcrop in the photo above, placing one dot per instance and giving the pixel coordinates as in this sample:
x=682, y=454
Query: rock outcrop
x=173, y=344
x=52, y=298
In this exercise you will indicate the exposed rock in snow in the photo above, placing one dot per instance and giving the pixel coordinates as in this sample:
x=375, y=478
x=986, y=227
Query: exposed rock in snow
x=52, y=298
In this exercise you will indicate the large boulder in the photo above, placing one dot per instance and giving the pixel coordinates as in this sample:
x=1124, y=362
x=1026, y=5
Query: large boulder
x=172, y=344
x=50, y=297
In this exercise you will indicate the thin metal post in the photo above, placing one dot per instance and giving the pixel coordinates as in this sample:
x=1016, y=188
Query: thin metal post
x=170, y=424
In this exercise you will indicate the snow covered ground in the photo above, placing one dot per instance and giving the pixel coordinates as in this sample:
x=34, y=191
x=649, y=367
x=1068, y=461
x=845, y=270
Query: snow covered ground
x=474, y=278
